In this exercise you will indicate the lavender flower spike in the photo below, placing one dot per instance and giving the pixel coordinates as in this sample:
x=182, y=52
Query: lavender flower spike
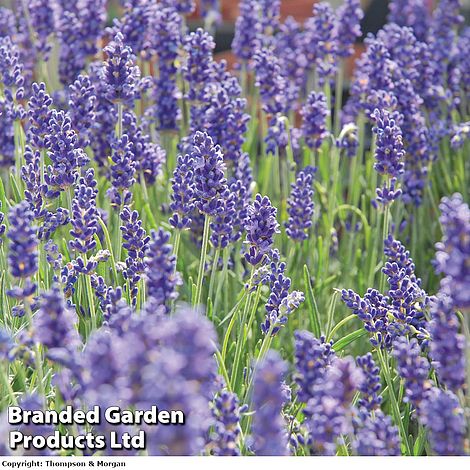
x=162, y=278
x=261, y=227
x=119, y=73
x=182, y=197
x=314, y=114
x=453, y=251
x=209, y=179
x=269, y=433
x=247, y=30
x=300, y=205
x=22, y=254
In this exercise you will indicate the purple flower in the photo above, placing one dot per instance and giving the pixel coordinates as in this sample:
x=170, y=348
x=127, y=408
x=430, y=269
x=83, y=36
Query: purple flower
x=65, y=154
x=461, y=133
x=281, y=303
x=348, y=30
x=209, y=179
x=39, y=115
x=372, y=309
x=447, y=346
x=314, y=113
x=82, y=102
x=184, y=7
x=134, y=24
x=166, y=26
x=182, y=196
x=261, y=226
x=271, y=13
x=413, y=369
x=136, y=243
x=289, y=48
x=247, y=30
x=453, y=251
x=119, y=73
x=329, y=412
x=376, y=436
x=270, y=82
x=312, y=358
x=149, y=157
x=161, y=276
x=269, y=433
x=444, y=419
x=226, y=411
x=42, y=21
x=54, y=323
x=320, y=40
x=198, y=71
x=222, y=223
x=370, y=388
x=84, y=218
x=241, y=197
x=389, y=151
x=412, y=13
x=12, y=79
x=22, y=251
x=122, y=172
x=300, y=205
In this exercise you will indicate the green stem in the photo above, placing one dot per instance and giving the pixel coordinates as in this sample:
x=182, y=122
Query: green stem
x=202, y=260
x=395, y=408
x=213, y=272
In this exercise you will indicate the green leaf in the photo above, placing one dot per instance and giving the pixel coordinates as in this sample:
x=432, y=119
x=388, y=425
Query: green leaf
x=312, y=305
x=348, y=339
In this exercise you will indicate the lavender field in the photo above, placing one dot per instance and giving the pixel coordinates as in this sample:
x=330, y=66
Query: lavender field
x=278, y=247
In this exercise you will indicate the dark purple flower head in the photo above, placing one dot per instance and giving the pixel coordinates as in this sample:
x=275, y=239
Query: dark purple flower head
x=376, y=435
x=329, y=412
x=42, y=22
x=119, y=73
x=22, y=252
x=270, y=82
x=269, y=433
x=389, y=151
x=320, y=40
x=270, y=16
x=209, y=171
x=281, y=302
x=447, y=346
x=261, y=226
x=39, y=114
x=413, y=369
x=85, y=215
x=65, y=154
x=198, y=70
x=222, y=223
x=247, y=30
x=312, y=358
x=444, y=419
x=134, y=24
x=314, y=113
x=348, y=30
x=372, y=309
x=11, y=78
x=300, y=205
x=370, y=388
x=241, y=196
x=226, y=411
x=412, y=13
x=136, y=243
x=161, y=276
x=82, y=103
x=453, y=251
x=165, y=40
x=182, y=196
x=122, y=172
x=181, y=6
x=54, y=323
